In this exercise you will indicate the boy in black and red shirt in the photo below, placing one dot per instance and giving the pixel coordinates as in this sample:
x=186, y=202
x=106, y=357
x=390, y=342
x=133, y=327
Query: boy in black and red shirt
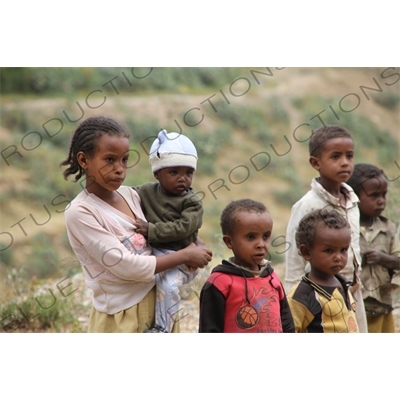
x=244, y=294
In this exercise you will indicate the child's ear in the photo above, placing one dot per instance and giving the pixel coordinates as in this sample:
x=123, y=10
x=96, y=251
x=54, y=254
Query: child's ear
x=228, y=241
x=305, y=252
x=82, y=159
x=156, y=175
x=314, y=161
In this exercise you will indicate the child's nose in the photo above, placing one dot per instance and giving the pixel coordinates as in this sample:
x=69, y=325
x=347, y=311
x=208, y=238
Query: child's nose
x=337, y=256
x=261, y=243
x=118, y=167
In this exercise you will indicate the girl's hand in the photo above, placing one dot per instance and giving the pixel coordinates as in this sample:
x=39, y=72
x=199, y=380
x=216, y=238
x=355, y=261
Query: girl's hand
x=192, y=256
x=200, y=243
x=197, y=256
x=142, y=227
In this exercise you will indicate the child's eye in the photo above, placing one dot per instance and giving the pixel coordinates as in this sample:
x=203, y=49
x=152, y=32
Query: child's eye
x=329, y=251
x=109, y=159
x=344, y=250
x=266, y=236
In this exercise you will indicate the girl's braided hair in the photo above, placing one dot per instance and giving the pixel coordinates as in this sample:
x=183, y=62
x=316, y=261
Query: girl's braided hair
x=85, y=139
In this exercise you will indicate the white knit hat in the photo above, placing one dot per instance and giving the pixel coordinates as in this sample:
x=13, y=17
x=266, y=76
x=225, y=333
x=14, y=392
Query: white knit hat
x=172, y=150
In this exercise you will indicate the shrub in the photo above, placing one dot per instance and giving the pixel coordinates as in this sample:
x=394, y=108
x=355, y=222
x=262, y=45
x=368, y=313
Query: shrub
x=388, y=99
x=6, y=254
x=44, y=258
x=38, y=307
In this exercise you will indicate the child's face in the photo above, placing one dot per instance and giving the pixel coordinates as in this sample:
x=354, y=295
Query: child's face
x=175, y=181
x=106, y=169
x=328, y=255
x=335, y=164
x=250, y=239
x=373, y=196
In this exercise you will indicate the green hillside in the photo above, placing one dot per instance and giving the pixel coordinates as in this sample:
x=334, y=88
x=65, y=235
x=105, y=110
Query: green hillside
x=250, y=126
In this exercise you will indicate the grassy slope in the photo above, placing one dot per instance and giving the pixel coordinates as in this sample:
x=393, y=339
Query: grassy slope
x=287, y=85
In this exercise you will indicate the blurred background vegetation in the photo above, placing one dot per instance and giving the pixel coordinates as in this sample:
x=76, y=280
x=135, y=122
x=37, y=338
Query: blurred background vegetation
x=250, y=126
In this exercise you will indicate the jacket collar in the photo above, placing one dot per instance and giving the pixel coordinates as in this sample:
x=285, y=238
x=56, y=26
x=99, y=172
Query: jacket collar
x=345, y=284
x=379, y=224
x=351, y=197
x=229, y=267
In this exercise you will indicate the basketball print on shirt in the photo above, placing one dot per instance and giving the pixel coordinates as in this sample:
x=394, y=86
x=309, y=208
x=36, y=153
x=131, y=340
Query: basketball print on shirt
x=247, y=317
x=336, y=315
x=262, y=314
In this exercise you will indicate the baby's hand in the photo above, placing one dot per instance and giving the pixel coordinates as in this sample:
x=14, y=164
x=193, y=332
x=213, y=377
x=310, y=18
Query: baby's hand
x=142, y=227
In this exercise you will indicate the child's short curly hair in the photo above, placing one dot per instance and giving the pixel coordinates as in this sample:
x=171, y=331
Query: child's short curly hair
x=311, y=222
x=362, y=173
x=233, y=208
x=320, y=136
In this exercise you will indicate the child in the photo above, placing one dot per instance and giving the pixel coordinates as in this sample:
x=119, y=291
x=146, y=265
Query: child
x=380, y=247
x=116, y=260
x=321, y=302
x=331, y=151
x=174, y=216
x=244, y=294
